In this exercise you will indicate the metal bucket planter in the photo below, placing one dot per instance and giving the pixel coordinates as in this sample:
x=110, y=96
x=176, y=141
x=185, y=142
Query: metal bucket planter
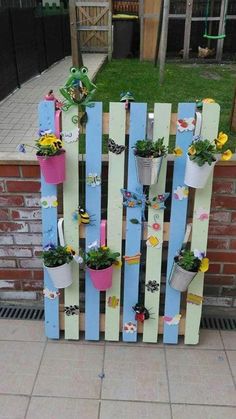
x=61, y=276
x=53, y=168
x=197, y=176
x=101, y=278
x=180, y=278
x=148, y=169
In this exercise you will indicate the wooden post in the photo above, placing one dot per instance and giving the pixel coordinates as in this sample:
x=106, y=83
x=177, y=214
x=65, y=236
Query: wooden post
x=77, y=60
x=141, y=13
x=164, y=35
x=187, y=30
x=110, y=31
x=211, y=22
x=159, y=28
x=220, y=42
x=233, y=114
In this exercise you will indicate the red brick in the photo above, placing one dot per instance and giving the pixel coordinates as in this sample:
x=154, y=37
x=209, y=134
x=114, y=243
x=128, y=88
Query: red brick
x=223, y=187
x=220, y=216
x=32, y=285
x=23, y=186
x=4, y=214
x=232, y=244
x=217, y=243
x=219, y=279
x=224, y=230
x=30, y=171
x=26, y=214
x=10, y=285
x=225, y=171
x=227, y=202
x=38, y=275
x=9, y=226
x=214, y=268
x=2, y=187
x=9, y=171
x=229, y=268
x=10, y=251
x=11, y=201
x=233, y=217
x=222, y=256
x=15, y=274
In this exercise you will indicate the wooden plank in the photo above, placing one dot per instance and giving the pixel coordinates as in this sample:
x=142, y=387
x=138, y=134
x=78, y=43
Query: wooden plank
x=71, y=227
x=210, y=123
x=164, y=36
x=133, y=231
x=93, y=207
x=177, y=222
x=92, y=4
x=115, y=216
x=77, y=60
x=187, y=29
x=141, y=19
x=94, y=28
x=162, y=113
x=151, y=18
x=220, y=42
x=109, y=35
x=46, y=111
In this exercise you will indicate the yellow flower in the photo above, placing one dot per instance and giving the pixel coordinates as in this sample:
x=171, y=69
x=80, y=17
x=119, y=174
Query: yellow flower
x=178, y=151
x=192, y=150
x=204, y=265
x=117, y=263
x=208, y=100
x=70, y=250
x=104, y=247
x=226, y=155
x=221, y=139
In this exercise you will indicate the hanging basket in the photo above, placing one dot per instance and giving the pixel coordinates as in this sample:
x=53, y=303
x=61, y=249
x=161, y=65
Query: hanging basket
x=197, y=176
x=148, y=169
x=101, y=278
x=61, y=276
x=180, y=278
x=53, y=168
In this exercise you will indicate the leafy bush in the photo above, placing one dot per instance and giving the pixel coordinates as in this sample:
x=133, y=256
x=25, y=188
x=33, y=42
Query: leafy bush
x=54, y=256
x=192, y=261
x=101, y=257
x=148, y=148
x=205, y=151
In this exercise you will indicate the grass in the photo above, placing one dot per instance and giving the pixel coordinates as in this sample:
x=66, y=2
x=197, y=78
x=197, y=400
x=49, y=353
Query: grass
x=183, y=83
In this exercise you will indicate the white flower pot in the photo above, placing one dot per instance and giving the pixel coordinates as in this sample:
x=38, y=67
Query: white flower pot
x=197, y=176
x=180, y=278
x=61, y=276
x=148, y=169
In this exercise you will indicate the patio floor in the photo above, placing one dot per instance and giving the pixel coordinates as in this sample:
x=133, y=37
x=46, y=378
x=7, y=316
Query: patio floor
x=43, y=379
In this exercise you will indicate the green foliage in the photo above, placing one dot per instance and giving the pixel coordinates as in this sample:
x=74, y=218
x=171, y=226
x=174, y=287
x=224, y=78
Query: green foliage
x=144, y=148
x=204, y=152
x=57, y=256
x=188, y=261
x=101, y=258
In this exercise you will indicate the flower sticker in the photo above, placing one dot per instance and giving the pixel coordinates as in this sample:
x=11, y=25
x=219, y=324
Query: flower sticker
x=130, y=327
x=50, y=294
x=153, y=241
x=186, y=124
x=181, y=192
x=70, y=136
x=152, y=286
x=49, y=201
x=172, y=321
x=178, y=152
x=93, y=179
x=113, y=301
x=202, y=214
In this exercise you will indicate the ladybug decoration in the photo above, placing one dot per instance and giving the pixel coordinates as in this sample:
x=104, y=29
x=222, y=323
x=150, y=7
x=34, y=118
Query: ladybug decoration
x=142, y=313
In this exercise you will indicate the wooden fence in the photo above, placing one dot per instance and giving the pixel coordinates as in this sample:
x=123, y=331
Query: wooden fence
x=119, y=317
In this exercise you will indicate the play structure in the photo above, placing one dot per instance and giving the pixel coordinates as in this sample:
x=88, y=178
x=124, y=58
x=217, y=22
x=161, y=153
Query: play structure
x=134, y=225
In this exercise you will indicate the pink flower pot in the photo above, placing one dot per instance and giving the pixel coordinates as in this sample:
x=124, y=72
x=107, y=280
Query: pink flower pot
x=102, y=278
x=53, y=168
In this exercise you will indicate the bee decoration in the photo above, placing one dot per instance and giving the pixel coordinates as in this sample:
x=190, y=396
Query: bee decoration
x=71, y=310
x=82, y=216
x=142, y=313
x=115, y=148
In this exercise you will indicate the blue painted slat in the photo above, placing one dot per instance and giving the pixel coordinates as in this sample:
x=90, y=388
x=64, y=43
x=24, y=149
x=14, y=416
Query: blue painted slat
x=93, y=206
x=49, y=226
x=177, y=223
x=138, y=115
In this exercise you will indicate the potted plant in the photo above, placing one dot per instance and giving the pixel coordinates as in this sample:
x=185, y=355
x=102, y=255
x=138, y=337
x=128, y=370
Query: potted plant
x=99, y=263
x=51, y=157
x=201, y=159
x=57, y=261
x=187, y=264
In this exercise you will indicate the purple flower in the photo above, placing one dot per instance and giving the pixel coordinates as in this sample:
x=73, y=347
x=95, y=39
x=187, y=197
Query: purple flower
x=21, y=148
x=49, y=246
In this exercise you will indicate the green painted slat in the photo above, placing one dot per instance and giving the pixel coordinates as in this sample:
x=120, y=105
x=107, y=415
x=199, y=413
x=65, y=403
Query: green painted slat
x=162, y=115
x=71, y=227
x=114, y=217
x=210, y=123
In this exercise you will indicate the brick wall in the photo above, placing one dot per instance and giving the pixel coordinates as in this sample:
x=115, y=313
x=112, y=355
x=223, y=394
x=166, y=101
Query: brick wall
x=20, y=235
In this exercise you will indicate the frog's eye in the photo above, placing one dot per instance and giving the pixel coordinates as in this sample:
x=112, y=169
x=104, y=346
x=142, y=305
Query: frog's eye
x=73, y=70
x=84, y=70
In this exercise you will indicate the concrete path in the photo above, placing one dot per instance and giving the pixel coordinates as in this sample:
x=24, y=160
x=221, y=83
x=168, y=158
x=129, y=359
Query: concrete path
x=18, y=113
x=43, y=379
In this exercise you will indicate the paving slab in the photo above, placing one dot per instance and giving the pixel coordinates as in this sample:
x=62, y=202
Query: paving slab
x=127, y=410
x=13, y=407
x=70, y=370
x=135, y=373
x=22, y=330
x=62, y=408
x=208, y=339
x=204, y=412
x=229, y=339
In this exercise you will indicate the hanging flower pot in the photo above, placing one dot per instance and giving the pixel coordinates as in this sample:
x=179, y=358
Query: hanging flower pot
x=53, y=168
x=101, y=278
x=197, y=176
x=148, y=169
x=61, y=276
x=180, y=278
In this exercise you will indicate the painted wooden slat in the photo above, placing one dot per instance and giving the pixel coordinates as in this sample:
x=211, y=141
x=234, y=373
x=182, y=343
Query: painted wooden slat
x=177, y=225
x=71, y=227
x=162, y=115
x=210, y=123
x=93, y=207
x=46, y=111
x=114, y=217
x=133, y=231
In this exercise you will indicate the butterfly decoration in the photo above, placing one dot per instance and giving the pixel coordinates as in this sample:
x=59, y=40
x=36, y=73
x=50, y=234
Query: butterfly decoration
x=133, y=199
x=71, y=310
x=49, y=201
x=186, y=124
x=158, y=202
x=93, y=179
x=172, y=320
x=115, y=148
